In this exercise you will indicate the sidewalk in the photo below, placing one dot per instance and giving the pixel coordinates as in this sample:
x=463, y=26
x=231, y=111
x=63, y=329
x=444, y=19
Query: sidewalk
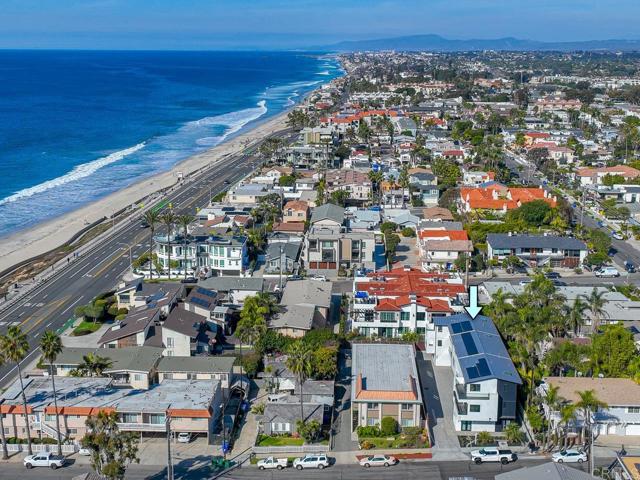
x=249, y=427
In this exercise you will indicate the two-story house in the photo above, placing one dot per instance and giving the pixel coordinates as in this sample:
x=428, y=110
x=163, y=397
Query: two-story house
x=295, y=211
x=186, y=333
x=537, y=250
x=439, y=249
x=385, y=383
x=485, y=381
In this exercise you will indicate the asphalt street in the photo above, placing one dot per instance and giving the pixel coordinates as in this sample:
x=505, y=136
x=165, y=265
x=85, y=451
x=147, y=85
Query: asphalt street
x=51, y=305
x=423, y=470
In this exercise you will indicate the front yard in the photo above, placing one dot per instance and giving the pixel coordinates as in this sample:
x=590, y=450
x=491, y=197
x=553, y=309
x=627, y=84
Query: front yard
x=410, y=437
x=278, y=441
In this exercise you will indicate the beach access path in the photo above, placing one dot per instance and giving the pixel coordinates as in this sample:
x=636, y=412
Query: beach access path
x=50, y=305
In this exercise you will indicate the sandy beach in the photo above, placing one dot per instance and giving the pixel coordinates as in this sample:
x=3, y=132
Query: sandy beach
x=53, y=233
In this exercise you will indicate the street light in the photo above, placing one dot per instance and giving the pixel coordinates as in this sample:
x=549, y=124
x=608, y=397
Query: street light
x=169, y=462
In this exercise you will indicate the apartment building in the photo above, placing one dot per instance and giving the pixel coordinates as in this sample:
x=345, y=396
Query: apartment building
x=388, y=304
x=385, y=383
x=485, y=381
x=356, y=183
x=537, y=250
x=439, y=249
x=499, y=198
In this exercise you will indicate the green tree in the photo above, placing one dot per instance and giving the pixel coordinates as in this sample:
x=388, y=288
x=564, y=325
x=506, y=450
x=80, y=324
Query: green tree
x=575, y=314
x=589, y=403
x=299, y=362
x=169, y=220
x=92, y=366
x=339, y=197
x=535, y=213
x=310, y=431
x=513, y=433
x=611, y=180
x=111, y=450
x=596, y=303
x=51, y=347
x=599, y=241
x=325, y=362
x=3, y=438
x=613, y=351
x=151, y=217
x=14, y=347
x=484, y=438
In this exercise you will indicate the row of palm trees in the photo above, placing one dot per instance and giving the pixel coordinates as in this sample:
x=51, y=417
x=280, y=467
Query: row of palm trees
x=587, y=405
x=170, y=220
x=14, y=347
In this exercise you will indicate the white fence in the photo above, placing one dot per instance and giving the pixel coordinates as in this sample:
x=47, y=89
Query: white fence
x=66, y=449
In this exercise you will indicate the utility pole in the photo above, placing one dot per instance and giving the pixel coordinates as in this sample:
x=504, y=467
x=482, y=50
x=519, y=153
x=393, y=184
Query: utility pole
x=280, y=263
x=169, y=462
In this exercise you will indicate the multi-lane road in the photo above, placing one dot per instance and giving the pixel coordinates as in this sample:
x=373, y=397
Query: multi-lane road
x=51, y=305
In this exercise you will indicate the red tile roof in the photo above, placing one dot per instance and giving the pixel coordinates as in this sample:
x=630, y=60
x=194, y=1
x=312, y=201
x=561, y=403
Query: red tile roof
x=444, y=234
x=392, y=395
x=499, y=197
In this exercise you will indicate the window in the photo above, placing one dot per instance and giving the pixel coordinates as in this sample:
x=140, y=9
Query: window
x=420, y=316
x=170, y=342
x=420, y=330
x=439, y=343
x=474, y=408
x=474, y=387
x=372, y=421
x=168, y=376
x=466, y=425
x=129, y=418
x=404, y=316
x=439, y=329
x=372, y=406
x=138, y=377
x=49, y=418
x=407, y=422
x=387, y=317
x=633, y=409
x=406, y=406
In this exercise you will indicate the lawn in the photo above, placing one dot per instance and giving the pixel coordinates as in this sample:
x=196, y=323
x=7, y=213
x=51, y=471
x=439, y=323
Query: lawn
x=85, y=328
x=280, y=441
x=392, y=442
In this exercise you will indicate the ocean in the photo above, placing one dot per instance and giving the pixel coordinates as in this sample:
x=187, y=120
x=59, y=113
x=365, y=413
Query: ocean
x=78, y=125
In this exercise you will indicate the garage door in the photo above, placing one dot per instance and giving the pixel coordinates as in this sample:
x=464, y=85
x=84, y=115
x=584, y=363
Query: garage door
x=633, y=430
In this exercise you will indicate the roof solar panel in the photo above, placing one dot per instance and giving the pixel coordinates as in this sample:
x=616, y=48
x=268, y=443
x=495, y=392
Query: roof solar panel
x=469, y=344
x=200, y=301
x=466, y=326
x=483, y=368
x=204, y=291
x=456, y=328
x=472, y=372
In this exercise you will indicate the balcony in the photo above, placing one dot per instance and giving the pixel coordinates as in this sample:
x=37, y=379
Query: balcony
x=142, y=427
x=462, y=408
x=463, y=394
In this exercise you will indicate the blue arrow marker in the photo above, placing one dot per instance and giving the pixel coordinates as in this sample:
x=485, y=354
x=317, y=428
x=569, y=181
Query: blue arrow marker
x=473, y=309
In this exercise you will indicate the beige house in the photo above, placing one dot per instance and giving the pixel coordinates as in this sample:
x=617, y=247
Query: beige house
x=305, y=305
x=385, y=384
x=295, y=211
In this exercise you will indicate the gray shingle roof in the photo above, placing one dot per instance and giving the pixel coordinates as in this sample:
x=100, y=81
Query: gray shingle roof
x=503, y=240
x=328, y=211
x=546, y=471
x=226, y=284
x=290, y=412
x=479, y=348
x=294, y=316
x=141, y=359
x=307, y=292
x=196, y=364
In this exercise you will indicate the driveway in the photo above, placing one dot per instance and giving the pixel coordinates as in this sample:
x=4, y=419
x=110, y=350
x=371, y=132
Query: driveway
x=342, y=441
x=437, y=391
x=406, y=252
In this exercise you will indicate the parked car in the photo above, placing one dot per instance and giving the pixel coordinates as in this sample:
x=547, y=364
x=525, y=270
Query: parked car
x=44, y=459
x=311, y=460
x=378, y=461
x=617, y=236
x=86, y=452
x=272, y=462
x=629, y=267
x=318, y=278
x=489, y=454
x=184, y=437
x=569, y=456
x=552, y=275
x=525, y=282
x=607, y=272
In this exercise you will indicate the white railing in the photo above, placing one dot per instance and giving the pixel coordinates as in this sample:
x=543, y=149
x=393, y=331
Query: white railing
x=143, y=427
x=37, y=448
x=291, y=449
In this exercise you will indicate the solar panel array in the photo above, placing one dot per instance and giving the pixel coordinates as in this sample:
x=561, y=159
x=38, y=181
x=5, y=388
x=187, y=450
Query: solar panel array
x=469, y=344
x=480, y=369
x=461, y=327
x=200, y=301
x=205, y=292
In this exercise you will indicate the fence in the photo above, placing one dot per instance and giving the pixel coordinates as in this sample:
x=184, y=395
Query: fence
x=37, y=448
x=291, y=449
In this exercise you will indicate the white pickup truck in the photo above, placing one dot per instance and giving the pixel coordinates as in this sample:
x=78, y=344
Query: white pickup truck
x=492, y=454
x=272, y=462
x=44, y=459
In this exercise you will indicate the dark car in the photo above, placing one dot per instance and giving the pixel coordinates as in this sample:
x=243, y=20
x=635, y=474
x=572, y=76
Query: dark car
x=552, y=275
x=629, y=267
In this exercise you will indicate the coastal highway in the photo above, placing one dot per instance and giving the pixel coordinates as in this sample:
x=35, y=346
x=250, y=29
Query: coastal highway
x=51, y=305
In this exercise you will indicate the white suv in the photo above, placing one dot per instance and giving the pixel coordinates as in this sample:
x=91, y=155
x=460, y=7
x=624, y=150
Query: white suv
x=311, y=461
x=489, y=454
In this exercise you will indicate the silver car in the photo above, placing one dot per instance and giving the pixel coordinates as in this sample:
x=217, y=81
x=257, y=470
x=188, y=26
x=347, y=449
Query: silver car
x=378, y=461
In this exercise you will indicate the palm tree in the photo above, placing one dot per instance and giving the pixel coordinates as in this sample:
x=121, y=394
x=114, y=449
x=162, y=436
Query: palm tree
x=152, y=217
x=92, y=365
x=5, y=453
x=14, y=346
x=567, y=416
x=576, y=315
x=185, y=221
x=266, y=300
x=51, y=347
x=596, y=303
x=403, y=181
x=169, y=219
x=551, y=400
x=589, y=403
x=299, y=362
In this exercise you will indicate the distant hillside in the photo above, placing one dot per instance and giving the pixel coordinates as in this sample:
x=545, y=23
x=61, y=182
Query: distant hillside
x=441, y=44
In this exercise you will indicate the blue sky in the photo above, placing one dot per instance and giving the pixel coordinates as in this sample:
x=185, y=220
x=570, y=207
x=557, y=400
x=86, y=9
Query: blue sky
x=222, y=24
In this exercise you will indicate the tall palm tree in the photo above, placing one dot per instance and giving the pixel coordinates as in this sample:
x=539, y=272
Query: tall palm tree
x=5, y=453
x=266, y=300
x=551, y=400
x=403, y=181
x=575, y=315
x=14, y=347
x=92, y=365
x=567, y=416
x=51, y=346
x=185, y=221
x=596, y=306
x=168, y=218
x=589, y=403
x=299, y=362
x=152, y=217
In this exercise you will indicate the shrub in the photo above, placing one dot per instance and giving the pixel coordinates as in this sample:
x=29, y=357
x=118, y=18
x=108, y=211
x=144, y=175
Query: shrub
x=123, y=311
x=113, y=310
x=388, y=426
x=366, y=445
x=484, y=438
x=252, y=363
x=408, y=232
x=369, y=431
x=514, y=434
x=309, y=430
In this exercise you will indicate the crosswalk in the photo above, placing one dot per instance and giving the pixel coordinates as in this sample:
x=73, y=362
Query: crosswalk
x=9, y=324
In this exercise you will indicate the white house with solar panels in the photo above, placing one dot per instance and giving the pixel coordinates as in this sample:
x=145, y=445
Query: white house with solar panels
x=485, y=381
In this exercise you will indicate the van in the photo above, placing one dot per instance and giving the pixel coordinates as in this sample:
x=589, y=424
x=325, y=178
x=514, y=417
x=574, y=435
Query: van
x=607, y=272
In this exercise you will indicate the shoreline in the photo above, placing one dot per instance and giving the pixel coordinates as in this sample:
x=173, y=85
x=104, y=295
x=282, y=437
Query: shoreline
x=50, y=234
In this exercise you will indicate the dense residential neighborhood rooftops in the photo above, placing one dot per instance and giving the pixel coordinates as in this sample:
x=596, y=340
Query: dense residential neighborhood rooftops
x=509, y=241
x=612, y=391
